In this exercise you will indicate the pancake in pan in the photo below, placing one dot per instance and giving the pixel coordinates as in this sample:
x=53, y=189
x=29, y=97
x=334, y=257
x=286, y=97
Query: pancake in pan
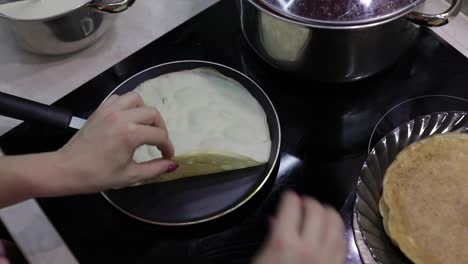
x=214, y=123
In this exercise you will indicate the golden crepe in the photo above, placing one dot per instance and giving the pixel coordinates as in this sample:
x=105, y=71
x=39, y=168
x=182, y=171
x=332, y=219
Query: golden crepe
x=424, y=204
x=203, y=163
x=214, y=123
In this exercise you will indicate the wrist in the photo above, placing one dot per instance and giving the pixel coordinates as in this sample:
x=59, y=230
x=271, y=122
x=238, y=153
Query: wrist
x=29, y=176
x=54, y=175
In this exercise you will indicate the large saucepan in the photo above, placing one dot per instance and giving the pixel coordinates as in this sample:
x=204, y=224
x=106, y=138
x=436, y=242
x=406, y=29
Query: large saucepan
x=335, y=40
x=71, y=31
x=182, y=202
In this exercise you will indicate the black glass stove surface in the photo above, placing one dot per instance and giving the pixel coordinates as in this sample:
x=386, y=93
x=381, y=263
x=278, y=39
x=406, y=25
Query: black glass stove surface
x=326, y=132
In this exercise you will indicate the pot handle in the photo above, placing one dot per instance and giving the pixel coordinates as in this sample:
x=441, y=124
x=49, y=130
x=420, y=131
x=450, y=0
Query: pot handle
x=115, y=7
x=436, y=20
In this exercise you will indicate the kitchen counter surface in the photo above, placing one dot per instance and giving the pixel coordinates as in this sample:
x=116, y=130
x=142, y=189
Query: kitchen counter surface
x=46, y=79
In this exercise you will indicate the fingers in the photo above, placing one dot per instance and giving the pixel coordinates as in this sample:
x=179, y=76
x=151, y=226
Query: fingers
x=146, y=116
x=134, y=111
x=323, y=227
x=149, y=135
x=4, y=261
x=127, y=101
x=153, y=168
x=304, y=231
x=333, y=239
x=110, y=100
x=313, y=224
x=289, y=215
x=316, y=224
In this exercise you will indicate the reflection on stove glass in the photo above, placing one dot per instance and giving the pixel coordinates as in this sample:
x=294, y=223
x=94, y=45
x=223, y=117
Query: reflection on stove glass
x=287, y=164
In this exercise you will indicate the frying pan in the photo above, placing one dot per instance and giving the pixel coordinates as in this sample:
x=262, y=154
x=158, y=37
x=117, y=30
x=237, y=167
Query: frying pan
x=182, y=202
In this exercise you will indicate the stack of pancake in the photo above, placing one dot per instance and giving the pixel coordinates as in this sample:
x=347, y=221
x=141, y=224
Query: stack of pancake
x=424, y=204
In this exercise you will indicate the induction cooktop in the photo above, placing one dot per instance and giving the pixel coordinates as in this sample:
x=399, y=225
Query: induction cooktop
x=327, y=132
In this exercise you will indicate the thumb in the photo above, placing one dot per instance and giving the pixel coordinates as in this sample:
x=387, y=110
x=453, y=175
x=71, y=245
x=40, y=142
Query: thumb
x=4, y=261
x=154, y=168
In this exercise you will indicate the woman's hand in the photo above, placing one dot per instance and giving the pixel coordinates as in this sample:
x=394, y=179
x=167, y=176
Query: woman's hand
x=100, y=155
x=304, y=232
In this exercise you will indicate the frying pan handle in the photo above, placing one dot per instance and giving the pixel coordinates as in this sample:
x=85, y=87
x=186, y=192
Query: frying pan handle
x=26, y=110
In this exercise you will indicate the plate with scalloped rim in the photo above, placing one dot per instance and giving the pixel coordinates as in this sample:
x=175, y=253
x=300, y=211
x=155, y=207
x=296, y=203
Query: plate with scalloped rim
x=369, y=186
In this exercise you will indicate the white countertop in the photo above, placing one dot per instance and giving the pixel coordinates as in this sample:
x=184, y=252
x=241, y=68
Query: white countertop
x=46, y=79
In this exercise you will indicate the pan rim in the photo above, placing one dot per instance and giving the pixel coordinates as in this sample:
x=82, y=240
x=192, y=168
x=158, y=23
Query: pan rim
x=236, y=205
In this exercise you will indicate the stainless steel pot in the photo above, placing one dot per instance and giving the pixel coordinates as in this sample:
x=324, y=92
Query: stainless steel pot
x=333, y=52
x=69, y=32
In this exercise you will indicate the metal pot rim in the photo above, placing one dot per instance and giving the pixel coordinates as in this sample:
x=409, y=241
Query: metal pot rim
x=45, y=18
x=111, y=8
x=338, y=24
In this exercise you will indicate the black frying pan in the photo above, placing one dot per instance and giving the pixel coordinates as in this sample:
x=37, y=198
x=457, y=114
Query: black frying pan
x=182, y=202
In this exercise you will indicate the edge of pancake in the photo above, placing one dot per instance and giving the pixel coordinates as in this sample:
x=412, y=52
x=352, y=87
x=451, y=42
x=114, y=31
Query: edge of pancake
x=398, y=235
x=204, y=163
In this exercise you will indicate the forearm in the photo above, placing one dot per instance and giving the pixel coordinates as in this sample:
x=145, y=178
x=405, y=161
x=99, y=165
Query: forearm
x=29, y=176
x=98, y=157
